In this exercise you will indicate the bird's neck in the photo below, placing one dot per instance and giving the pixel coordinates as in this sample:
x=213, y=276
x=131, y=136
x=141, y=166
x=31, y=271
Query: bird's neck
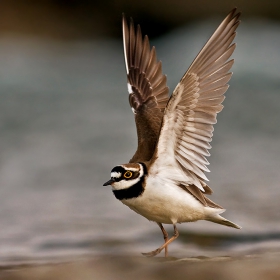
x=131, y=192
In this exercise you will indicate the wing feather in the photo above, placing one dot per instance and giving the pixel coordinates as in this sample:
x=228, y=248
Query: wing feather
x=187, y=127
x=148, y=92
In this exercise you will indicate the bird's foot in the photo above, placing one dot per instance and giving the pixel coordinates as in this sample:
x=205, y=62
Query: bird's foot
x=152, y=253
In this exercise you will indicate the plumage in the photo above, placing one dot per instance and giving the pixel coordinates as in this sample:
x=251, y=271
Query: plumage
x=165, y=179
x=149, y=90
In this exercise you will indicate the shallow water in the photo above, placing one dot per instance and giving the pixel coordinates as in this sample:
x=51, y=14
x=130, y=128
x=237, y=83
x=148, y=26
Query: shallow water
x=65, y=122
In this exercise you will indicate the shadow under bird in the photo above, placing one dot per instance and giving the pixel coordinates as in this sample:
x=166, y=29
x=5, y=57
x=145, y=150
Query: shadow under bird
x=165, y=181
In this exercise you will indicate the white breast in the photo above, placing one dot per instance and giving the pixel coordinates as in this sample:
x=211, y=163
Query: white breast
x=163, y=201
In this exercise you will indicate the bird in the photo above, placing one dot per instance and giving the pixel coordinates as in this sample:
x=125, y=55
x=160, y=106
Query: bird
x=165, y=179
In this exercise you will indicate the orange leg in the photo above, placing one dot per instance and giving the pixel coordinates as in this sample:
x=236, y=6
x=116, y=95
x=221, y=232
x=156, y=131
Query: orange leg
x=167, y=242
x=165, y=236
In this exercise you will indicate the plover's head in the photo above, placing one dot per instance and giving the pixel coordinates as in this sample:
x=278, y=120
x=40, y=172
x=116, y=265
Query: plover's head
x=126, y=175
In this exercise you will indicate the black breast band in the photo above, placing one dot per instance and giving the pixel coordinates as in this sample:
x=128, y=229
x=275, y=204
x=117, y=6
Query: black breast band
x=131, y=192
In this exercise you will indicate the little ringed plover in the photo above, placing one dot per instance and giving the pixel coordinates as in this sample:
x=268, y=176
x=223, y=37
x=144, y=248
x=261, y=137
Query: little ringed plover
x=165, y=181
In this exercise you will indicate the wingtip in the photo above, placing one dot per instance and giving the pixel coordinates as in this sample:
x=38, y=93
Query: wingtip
x=124, y=22
x=234, y=14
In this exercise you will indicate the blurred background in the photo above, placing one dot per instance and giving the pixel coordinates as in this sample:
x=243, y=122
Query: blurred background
x=65, y=123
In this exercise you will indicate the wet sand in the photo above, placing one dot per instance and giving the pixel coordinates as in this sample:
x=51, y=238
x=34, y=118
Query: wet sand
x=257, y=267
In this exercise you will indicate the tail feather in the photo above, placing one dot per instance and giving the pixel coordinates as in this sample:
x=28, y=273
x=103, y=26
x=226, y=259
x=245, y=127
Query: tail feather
x=216, y=218
x=225, y=222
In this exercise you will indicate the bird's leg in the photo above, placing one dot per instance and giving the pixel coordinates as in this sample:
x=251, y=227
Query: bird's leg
x=157, y=251
x=165, y=236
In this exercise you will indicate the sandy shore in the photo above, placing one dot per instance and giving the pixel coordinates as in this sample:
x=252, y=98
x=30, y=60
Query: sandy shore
x=257, y=267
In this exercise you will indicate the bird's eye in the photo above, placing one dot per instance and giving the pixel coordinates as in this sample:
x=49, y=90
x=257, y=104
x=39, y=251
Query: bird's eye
x=127, y=174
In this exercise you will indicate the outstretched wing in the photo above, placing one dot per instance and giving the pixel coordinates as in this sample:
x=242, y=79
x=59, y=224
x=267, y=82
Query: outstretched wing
x=188, y=120
x=148, y=92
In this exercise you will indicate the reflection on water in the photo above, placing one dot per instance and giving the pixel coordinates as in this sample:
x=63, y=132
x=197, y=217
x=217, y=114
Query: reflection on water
x=65, y=122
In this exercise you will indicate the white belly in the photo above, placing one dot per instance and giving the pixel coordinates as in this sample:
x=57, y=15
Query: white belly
x=166, y=203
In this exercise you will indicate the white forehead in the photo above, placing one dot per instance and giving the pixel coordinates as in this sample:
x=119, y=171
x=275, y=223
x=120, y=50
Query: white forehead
x=116, y=174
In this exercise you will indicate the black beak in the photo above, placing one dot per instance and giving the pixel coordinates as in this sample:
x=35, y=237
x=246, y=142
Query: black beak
x=109, y=182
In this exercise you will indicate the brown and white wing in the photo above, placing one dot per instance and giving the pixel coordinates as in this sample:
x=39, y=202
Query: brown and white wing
x=187, y=126
x=148, y=92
